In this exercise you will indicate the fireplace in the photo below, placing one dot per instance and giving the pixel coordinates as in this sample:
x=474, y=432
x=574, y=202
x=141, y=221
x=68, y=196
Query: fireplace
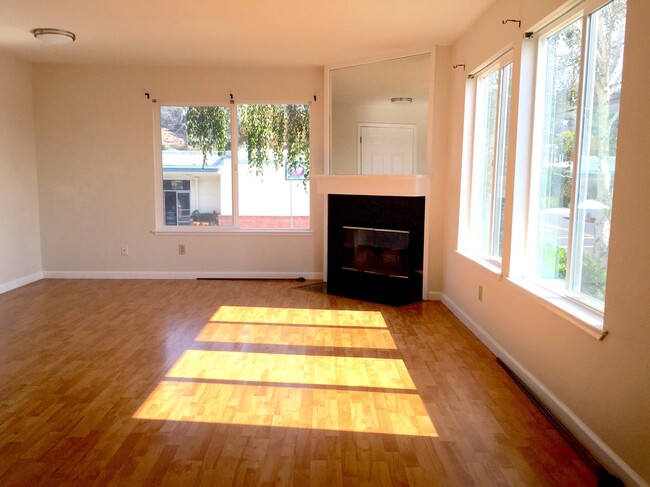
x=375, y=247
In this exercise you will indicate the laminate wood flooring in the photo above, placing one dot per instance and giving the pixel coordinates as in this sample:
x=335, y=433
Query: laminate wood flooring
x=245, y=383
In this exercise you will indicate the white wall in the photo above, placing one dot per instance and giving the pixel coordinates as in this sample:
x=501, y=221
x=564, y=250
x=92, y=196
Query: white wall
x=600, y=388
x=94, y=132
x=20, y=240
x=438, y=147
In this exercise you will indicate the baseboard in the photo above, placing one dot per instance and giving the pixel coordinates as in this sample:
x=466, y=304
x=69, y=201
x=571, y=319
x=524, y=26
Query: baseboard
x=584, y=434
x=23, y=281
x=178, y=275
x=435, y=296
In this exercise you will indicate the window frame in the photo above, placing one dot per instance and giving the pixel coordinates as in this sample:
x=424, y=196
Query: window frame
x=535, y=165
x=501, y=141
x=160, y=228
x=582, y=309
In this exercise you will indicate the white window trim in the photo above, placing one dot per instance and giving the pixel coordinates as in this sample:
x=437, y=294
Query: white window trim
x=495, y=63
x=169, y=230
x=584, y=317
x=490, y=265
x=576, y=309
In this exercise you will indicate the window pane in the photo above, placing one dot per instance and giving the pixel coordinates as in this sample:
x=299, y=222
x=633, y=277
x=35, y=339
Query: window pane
x=273, y=168
x=197, y=181
x=501, y=162
x=487, y=92
x=561, y=71
x=598, y=149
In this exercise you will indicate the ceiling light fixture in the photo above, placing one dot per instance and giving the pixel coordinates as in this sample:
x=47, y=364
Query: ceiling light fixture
x=401, y=99
x=53, y=36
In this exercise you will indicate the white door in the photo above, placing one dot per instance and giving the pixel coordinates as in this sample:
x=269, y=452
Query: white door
x=386, y=149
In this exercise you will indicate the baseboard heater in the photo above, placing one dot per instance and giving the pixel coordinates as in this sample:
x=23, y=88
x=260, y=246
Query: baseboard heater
x=605, y=479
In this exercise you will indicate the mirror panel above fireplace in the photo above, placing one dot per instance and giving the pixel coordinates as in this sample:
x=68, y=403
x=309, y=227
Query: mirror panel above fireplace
x=389, y=100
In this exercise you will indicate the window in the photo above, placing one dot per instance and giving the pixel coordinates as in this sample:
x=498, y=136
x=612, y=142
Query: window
x=489, y=156
x=196, y=165
x=233, y=167
x=574, y=152
x=273, y=166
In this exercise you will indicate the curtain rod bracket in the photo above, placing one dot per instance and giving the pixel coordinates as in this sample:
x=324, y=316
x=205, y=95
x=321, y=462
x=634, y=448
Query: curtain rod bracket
x=512, y=20
x=232, y=99
x=458, y=66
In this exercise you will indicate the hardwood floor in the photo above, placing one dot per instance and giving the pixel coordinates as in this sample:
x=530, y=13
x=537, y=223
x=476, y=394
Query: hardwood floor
x=257, y=383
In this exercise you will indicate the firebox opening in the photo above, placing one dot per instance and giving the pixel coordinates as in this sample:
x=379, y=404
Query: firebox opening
x=376, y=251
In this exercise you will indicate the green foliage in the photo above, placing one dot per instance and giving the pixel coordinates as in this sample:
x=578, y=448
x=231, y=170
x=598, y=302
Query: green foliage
x=280, y=130
x=278, y=133
x=208, y=129
x=554, y=261
x=594, y=276
x=298, y=138
x=256, y=129
x=568, y=138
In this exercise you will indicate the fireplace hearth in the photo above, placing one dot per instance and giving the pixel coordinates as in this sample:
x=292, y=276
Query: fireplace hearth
x=375, y=247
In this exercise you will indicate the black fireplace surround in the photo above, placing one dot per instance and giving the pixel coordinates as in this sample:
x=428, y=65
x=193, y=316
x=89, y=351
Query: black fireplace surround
x=375, y=248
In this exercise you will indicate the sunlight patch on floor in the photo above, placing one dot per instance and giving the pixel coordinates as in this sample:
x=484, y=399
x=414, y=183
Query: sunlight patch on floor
x=295, y=389
x=297, y=335
x=294, y=369
x=323, y=409
x=298, y=316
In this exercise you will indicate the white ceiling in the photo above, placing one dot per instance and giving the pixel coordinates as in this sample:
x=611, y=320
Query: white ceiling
x=232, y=32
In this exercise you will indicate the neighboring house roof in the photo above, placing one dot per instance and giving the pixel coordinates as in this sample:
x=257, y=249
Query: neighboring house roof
x=174, y=160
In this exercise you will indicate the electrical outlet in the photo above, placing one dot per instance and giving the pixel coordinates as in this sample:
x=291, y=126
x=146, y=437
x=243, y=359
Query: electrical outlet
x=124, y=249
x=181, y=249
x=480, y=293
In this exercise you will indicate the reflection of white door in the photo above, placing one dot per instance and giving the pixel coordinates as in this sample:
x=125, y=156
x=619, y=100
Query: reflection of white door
x=386, y=148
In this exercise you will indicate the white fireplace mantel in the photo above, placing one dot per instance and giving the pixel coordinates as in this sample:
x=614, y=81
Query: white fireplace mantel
x=414, y=185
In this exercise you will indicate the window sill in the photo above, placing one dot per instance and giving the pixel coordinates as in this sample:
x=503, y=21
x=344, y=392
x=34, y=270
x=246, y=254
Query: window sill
x=585, y=318
x=488, y=264
x=231, y=231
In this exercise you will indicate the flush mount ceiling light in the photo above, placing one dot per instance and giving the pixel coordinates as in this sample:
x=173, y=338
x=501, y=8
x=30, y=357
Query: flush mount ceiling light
x=401, y=99
x=54, y=36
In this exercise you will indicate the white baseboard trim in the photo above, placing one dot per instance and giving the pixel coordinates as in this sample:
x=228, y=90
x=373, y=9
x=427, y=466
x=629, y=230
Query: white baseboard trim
x=435, y=296
x=610, y=460
x=178, y=275
x=23, y=281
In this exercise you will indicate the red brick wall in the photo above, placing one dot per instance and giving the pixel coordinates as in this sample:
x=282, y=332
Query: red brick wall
x=267, y=222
